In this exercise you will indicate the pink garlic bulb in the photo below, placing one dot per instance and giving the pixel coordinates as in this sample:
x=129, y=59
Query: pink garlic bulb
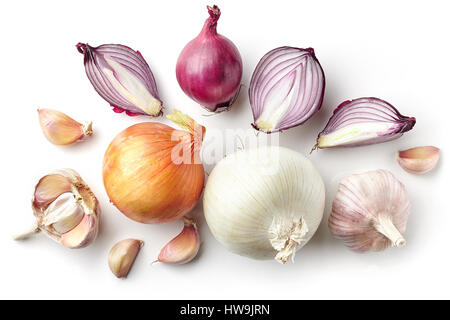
x=370, y=211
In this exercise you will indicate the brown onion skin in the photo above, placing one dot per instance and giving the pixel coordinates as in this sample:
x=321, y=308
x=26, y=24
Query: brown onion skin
x=141, y=179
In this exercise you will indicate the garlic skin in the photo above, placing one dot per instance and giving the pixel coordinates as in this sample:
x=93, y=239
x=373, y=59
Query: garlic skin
x=60, y=129
x=122, y=256
x=370, y=211
x=264, y=203
x=65, y=209
x=184, y=247
x=419, y=160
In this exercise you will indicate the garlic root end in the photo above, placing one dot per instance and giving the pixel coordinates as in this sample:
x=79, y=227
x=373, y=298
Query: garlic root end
x=386, y=227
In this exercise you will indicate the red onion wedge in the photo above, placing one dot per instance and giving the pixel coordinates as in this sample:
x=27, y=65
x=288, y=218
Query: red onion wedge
x=123, y=78
x=363, y=121
x=209, y=69
x=286, y=89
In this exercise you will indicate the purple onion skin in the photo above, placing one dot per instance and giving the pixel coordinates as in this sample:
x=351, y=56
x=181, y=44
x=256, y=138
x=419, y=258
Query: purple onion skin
x=133, y=61
x=367, y=109
x=209, y=69
x=268, y=76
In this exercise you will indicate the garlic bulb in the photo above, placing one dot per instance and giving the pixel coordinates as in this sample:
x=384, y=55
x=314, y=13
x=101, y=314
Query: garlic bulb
x=264, y=203
x=370, y=211
x=65, y=209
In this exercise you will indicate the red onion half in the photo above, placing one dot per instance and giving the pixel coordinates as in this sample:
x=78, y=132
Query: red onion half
x=363, y=121
x=122, y=77
x=286, y=89
x=209, y=69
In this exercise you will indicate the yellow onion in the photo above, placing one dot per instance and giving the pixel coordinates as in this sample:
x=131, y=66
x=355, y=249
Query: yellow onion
x=152, y=172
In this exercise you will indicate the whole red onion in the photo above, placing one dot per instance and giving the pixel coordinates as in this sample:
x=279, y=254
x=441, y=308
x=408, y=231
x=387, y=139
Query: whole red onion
x=209, y=69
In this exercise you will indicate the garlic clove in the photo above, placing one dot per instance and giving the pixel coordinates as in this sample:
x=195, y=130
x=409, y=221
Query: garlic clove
x=60, y=129
x=83, y=234
x=184, y=247
x=419, y=160
x=122, y=256
x=63, y=214
x=49, y=188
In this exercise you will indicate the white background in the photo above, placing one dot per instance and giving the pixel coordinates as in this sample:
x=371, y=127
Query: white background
x=398, y=51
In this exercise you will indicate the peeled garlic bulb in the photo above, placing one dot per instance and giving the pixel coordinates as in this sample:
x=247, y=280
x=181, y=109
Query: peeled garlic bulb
x=370, y=211
x=418, y=160
x=264, y=203
x=65, y=209
x=60, y=129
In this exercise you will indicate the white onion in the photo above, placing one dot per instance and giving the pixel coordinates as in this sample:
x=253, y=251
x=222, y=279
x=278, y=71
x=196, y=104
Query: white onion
x=264, y=203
